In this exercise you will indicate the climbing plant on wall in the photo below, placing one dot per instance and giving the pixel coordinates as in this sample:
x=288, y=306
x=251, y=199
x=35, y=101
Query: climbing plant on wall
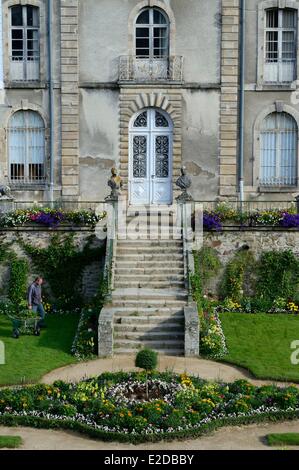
x=62, y=265
x=278, y=275
x=238, y=276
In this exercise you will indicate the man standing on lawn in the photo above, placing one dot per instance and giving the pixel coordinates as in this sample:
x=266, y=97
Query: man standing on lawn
x=35, y=299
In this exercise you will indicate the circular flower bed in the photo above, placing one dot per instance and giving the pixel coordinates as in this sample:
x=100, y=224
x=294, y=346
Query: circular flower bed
x=136, y=408
x=134, y=392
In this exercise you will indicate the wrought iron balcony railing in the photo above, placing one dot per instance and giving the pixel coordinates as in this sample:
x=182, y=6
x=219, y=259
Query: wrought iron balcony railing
x=143, y=69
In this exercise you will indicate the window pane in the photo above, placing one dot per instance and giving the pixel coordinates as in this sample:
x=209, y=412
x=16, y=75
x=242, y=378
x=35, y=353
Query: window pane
x=289, y=19
x=288, y=45
x=32, y=16
x=36, y=172
x=142, y=53
x=17, y=172
x=142, y=44
x=32, y=43
x=142, y=32
x=272, y=46
x=143, y=18
x=16, y=16
x=159, y=18
x=272, y=18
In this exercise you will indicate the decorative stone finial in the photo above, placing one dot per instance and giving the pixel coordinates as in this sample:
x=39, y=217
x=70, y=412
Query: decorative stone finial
x=5, y=194
x=116, y=184
x=184, y=183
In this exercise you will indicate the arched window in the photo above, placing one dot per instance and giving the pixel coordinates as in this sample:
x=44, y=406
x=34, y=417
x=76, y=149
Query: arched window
x=280, y=45
x=26, y=147
x=25, y=43
x=279, y=150
x=152, y=34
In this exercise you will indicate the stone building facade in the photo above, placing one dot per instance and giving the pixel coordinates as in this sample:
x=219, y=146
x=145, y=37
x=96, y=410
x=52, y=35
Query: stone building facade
x=147, y=86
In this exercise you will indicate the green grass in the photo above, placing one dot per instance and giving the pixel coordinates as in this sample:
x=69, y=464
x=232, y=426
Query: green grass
x=287, y=439
x=29, y=358
x=10, y=442
x=262, y=344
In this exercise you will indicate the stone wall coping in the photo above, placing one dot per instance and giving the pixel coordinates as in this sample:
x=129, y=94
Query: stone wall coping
x=238, y=228
x=64, y=228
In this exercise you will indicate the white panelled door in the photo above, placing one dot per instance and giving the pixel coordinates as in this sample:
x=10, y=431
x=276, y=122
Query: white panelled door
x=150, y=172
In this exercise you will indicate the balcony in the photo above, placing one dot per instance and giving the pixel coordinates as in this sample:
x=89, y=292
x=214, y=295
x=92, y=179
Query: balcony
x=138, y=69
x=24, y=70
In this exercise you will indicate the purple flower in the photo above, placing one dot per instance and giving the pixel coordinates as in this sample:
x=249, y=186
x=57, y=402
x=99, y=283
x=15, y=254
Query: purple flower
x=212, y=222
x=52, y=219
x=289, y=220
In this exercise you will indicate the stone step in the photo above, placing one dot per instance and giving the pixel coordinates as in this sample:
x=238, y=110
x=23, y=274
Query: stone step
x=140, y=284
x=142, y=321
x=148, y=336
x=163, y=257
x=163, y=272
x=166, y=345
x=150, y=297
x=147, y=249
x=142, y=277
x=150, y=243
x=149, y=264
x=155, y=312
x=161, y=327
x=162, y=352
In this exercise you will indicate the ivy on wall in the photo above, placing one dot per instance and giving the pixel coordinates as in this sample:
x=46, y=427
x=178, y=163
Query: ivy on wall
x=238, y=276
x=278, y=275
x=62, y=265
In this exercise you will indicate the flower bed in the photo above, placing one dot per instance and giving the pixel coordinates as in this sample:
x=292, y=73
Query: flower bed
x=223, y=214
x=189, y=407
x=50, y=218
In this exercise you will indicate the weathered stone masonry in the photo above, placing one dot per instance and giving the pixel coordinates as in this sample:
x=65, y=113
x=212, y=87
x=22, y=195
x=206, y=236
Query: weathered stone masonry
x=70, y=98
x=229, y=98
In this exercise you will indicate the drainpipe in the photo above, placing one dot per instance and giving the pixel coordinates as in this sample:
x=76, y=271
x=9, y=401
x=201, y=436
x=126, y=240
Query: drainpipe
x=241, y=102
x=51, y=98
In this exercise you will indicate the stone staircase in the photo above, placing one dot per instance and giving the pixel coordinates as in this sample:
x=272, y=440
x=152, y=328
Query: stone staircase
x=149, y=296
x=149, y=301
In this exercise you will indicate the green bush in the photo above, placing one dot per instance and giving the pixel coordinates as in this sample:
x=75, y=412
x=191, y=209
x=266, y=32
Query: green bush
x=278, y=275
x=238, y=276
x=147, y=359
x=18, y=282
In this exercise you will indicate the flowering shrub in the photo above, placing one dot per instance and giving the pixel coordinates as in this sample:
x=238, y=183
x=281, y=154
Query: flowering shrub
x=189, y=409
x=212, y=339
x=85, y=341
x=214, y=220
x=49, y=217
x=289, y=220
x=256, y=305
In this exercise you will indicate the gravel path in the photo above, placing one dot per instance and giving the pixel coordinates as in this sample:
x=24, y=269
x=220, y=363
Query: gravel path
x=251, y=437
x=209, y=370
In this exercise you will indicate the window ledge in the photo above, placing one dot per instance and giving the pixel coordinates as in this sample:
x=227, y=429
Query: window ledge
x=28, y=187
x=24, y=84
x=277, y=189
x=276, y=86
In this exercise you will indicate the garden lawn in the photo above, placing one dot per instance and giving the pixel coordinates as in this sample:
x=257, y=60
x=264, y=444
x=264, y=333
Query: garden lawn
x=289, y=439
x=262, y=344
x=29, y=358
x=10, y=442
